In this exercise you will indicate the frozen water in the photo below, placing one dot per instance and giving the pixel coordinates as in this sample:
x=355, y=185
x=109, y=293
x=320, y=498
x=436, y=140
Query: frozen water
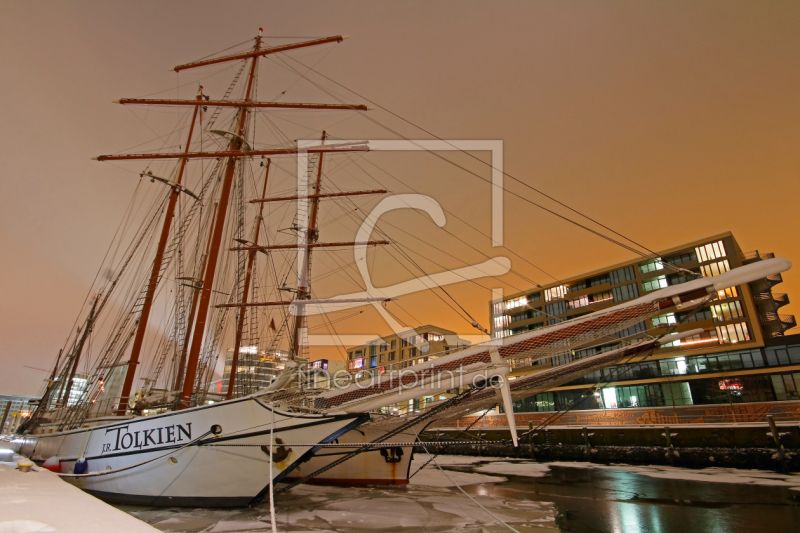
x=707, y=475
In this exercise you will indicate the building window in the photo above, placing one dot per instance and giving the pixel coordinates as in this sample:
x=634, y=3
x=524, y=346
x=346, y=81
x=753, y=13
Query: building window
x=556, y=308
x=555, y=293
x=516, y=302
x=728, y=293
x=677, y=393
x=651, y=266
x=681, y=258
x=715, y=269
x=383, y=346
x=391, y=356
x=578, y=302
x=733, y=333
x=403, y=354
x=786, y=386
x=394, y=344
x=382, y=358
x=412, y=352
x=435, y=337
x=600, y=297
x=598, y=280
x=663, y=320
x=373, y=349
x=727, y=311
x=625, y=292
x=535, y=297
x=579, y=286
x=656, y=283
x=710, y=251
x=622, y=275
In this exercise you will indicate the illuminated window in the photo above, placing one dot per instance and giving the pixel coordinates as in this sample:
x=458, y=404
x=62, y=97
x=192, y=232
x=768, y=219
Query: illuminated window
x=715, y=269
x=727, y=311
x=651, y=266
x=663, y=320
x=555, y=293
x=499, y=322
x=710, y=251
x=656, y=283
x=578, y=302
x=728, y=293
x=600, y=297
x=733, y=333
x=436, y=337
x=517, y=302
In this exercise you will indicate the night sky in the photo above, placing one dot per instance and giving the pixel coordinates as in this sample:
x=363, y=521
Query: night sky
x=667, y=121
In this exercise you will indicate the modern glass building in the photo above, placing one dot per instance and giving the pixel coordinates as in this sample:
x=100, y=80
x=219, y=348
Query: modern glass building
x=742, y=355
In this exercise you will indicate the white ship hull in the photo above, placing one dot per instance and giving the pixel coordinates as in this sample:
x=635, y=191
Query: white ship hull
x=209, y=473
x=379, y=466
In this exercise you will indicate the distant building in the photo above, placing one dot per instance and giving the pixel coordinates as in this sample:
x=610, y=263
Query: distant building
x=403, y=350
x=741, y=356
x=21, y=408
x=394, y=353
x=319, y=373
x=257, y=367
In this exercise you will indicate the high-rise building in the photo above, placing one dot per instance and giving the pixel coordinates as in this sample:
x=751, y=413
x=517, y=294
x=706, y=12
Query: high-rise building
x=741, y=356
x=257, y=367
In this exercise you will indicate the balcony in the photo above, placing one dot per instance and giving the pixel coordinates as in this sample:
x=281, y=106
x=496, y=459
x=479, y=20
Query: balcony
x=755, y=255
x=769, y=301
x=775, y=324
x=787, y=321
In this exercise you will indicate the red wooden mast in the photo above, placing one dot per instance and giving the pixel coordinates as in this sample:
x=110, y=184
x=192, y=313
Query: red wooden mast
x=241, y=103
x=235, y=148
x=197, y=286
x=138, y=340
x=260, y=52
x=247, y=277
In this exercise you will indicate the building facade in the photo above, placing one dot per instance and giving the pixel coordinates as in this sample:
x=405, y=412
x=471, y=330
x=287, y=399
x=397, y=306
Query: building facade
x=407, y=349
x=257, y=367
x=19, y=408
x=741, y=356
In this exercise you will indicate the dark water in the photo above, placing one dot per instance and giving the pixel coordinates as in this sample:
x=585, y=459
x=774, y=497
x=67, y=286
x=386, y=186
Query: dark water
x=565, y=498
x=593, y=500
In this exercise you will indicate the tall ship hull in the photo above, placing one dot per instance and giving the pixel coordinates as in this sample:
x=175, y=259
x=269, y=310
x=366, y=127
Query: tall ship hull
x=175, y=459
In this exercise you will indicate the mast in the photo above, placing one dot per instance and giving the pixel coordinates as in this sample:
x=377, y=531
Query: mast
x=248, y=276
x=76, y=356
x=211, y=267
x=312, y=235
x=138, y=340
x=198, y=285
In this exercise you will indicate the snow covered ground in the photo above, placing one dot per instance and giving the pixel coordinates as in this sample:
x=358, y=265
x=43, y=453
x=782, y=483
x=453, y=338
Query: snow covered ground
x=429, y=503
x=39, y=501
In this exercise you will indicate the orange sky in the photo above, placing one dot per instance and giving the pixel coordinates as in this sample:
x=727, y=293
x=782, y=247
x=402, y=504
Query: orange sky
x=667, y=121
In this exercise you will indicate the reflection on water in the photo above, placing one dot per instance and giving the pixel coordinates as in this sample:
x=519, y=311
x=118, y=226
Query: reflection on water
x=583, y=499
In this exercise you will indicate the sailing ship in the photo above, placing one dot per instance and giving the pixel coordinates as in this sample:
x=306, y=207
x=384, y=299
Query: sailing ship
x=170, y=441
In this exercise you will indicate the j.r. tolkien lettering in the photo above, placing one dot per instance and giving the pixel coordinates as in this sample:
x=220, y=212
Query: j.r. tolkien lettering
x=123, y=439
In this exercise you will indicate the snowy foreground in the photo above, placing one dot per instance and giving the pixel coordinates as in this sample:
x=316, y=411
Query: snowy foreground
x=39, y=501
x=430, y=503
